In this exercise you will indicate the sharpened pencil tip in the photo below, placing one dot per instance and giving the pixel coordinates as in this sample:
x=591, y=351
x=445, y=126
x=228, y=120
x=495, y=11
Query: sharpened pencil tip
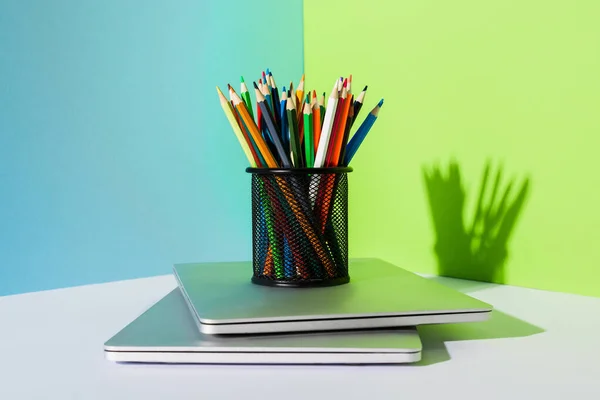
x=283, y=89
x=268, y=73
x=242, y=79
x=255, y=85
x=365, y=88
x=229, y=87
x=380, y=103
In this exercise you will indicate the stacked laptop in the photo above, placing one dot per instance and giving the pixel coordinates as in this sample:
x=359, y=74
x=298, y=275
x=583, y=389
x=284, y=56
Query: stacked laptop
x=217, y=316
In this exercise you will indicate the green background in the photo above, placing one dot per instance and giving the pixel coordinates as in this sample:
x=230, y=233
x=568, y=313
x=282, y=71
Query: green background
x=514, y=82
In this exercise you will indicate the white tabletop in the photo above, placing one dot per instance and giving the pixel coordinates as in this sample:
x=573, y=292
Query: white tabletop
x=538, y=345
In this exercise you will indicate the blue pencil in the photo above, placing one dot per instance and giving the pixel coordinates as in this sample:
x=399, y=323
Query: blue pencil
x=361, y=133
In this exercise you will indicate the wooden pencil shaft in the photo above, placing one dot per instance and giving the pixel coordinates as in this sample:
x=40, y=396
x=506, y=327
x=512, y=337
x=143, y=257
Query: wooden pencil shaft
x=274, y=133
x=294, y=140
x=342, y=158
x=335, y=159
x=308, y=136
x=316, y=126
x=335, y=132
x=231, y=117
x=256, y=136
x=276, y=106
x=285, y=137
x=361, y=133
x=326, y=127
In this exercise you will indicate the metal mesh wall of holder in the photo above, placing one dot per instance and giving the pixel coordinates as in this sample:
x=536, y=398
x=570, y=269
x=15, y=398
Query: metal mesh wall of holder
x=300, y=226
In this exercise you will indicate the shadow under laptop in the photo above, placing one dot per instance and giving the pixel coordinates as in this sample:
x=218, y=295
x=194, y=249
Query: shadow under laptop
x=499, y=326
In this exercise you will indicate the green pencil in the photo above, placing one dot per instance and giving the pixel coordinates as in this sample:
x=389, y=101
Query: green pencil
x=309, y=148
x=294, y=138
x=246, y=97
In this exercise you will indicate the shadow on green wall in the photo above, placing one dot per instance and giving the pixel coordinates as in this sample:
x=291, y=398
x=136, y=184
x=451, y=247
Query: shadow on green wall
x=475, y=251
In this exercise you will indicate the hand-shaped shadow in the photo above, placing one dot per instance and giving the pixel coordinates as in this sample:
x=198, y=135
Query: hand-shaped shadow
x=479, y=251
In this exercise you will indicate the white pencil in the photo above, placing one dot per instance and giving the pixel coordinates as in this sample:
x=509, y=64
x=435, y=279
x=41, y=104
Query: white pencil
x=326, y=128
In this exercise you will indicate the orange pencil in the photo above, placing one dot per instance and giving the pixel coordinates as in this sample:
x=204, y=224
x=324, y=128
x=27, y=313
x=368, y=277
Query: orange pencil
x=256, y=136
x=300, y=93
x=336, y=126
x=339, y=138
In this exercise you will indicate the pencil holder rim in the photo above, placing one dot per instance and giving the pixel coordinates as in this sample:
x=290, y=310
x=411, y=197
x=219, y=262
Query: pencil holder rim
x=315, y=283
x=298, y=171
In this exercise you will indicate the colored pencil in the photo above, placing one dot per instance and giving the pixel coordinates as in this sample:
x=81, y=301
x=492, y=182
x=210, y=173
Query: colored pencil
x=285, y=136
x=322, y=108
x=360, y=99
x=316, y=125
x=266, y=92
x=256, y=136
x=253, y=147
x=291, y=94
x=309, y=148
x=342, y=158
x=272, y=128
x=339, y=139
x=326, y=128
x=236, y=128
x=362, y=132
x=293, y=128
x=275, y=94
x=335, y=133
x=300, y=91
x=246, y=96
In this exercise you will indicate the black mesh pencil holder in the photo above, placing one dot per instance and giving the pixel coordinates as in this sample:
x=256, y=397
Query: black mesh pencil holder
x=300, y=226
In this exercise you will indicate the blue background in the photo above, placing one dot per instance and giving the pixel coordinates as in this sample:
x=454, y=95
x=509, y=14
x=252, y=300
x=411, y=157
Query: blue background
x=116, y=160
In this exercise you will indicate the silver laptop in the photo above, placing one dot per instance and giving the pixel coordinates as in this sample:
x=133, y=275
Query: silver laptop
x=166, y=333
x=224, y=301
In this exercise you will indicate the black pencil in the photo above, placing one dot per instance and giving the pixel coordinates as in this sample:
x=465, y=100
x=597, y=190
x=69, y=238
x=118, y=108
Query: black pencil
x=349, y=123
x=275, y=99
x=359, y=102
x=271, y=127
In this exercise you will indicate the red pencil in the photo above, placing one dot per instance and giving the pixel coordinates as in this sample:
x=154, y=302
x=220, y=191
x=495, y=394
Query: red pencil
x=335, y=129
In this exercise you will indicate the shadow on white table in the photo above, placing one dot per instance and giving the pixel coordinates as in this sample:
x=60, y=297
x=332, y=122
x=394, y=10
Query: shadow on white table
x=499, y=326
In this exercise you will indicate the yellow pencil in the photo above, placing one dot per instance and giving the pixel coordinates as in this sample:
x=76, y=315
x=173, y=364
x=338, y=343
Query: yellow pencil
x=300, y=94
x=236, y=128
